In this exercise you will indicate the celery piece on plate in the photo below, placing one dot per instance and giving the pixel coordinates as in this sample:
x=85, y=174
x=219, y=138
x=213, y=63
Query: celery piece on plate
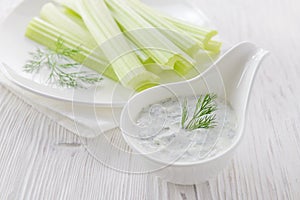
x=149, y=39
x=112, y=42
x=185, y=42
x=56, y=16
x=47, y=35
x=202, y=34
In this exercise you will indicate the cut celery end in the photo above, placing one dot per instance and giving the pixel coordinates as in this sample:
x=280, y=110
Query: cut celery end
x=214, y=46
x=182, y=68
x=154, y=68
x=47, y=35
x=207, y=33
x=145, y=86
x=143, y=57
x=141, y=80
x=202, y=35
x=105, y=30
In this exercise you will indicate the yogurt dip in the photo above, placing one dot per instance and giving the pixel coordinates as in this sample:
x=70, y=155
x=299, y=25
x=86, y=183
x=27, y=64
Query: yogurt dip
x=160, y=134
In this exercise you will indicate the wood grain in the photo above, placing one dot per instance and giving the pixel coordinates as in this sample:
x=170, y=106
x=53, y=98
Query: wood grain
x=41, y=160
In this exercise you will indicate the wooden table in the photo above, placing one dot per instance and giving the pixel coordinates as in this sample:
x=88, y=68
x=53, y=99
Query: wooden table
x=41, y=160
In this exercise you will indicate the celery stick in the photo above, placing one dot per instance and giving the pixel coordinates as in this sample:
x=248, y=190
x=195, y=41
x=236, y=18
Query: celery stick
x=72, y=25
x=149, y=39
x=191, y=28
x=185, y=42
x=58, y=18
x=47, y=35
x=213, y=46
x=141, y=53
x=69, y=21
x=203, y=35
x=71, y=4
x=143, y=57
x=107, y=34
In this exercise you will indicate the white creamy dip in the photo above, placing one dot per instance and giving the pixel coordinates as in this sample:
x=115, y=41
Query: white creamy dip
x=160, y=134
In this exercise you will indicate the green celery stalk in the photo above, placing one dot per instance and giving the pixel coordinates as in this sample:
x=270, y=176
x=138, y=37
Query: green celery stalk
x=140, y=52
x=72, y=25
x=185, y=42
x=60, y=20
x=69, y=21
x=70, y=4
x=146, y=37
x=214, y=46
x=143, y=57
x=202, y=34
x=108, y=36
x=47, y=35
x=191, y=28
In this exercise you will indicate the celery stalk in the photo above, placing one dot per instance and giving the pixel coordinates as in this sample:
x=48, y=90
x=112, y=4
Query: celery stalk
x=191, y=28
x=149, y=39
x=203, y=35
x=70, y=4
x=58, y=18
x=69, y=21
x=108, y=36
x=213, y=46
x=143, y=57
x=72, y=25
x=46, y=34
x=184, y=41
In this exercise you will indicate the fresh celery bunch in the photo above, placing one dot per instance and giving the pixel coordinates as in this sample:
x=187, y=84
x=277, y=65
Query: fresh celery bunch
x=126, y=41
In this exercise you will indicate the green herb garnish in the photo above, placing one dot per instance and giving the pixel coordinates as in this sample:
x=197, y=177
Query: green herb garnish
x=59, y=65
x=203, y=116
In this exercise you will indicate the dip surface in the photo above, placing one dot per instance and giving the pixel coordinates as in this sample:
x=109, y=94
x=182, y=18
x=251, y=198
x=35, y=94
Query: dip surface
x=160, y=134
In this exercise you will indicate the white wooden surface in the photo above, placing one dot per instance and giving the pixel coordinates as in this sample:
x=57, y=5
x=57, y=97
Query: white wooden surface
x=41, y=160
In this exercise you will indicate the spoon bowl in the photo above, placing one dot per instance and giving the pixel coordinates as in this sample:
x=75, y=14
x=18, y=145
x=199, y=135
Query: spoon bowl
x=231, y=78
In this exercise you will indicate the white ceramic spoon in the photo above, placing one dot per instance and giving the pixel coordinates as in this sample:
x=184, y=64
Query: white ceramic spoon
x=231, y=77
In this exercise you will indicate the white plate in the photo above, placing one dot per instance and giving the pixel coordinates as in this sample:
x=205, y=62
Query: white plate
x=14, y=48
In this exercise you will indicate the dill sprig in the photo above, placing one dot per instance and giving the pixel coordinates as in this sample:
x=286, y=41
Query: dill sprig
x=61, y=68
x=203, y=116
